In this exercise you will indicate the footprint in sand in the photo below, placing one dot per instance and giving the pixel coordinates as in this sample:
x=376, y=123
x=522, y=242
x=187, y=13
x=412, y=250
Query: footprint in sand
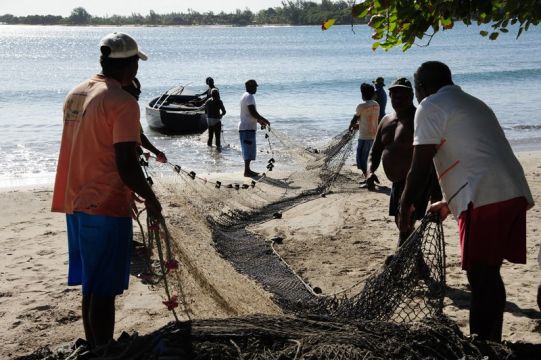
x=42, y=308
x=45, y=252
x=6, y=294
x=70, y=317
x=15, y=324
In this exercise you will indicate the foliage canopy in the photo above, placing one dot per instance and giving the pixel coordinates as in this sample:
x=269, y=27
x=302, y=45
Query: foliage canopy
x=403, y=22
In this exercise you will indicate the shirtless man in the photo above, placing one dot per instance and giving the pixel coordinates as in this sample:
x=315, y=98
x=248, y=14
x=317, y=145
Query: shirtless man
x=393, y=146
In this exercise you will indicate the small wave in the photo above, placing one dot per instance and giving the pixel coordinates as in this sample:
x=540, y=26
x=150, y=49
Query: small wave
x=526, y=127
x=499, y=75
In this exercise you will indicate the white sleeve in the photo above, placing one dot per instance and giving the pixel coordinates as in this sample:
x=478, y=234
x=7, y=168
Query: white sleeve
x=250, y=100
x=429, y=124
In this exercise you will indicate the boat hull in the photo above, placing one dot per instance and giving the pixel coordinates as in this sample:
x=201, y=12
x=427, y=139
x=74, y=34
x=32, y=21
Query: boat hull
x=175, y=118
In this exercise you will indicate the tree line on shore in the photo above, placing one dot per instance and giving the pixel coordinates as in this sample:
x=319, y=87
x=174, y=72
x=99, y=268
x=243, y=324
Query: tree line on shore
x=298, y=12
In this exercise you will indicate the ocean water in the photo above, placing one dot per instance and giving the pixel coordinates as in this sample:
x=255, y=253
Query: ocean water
x=309, y=84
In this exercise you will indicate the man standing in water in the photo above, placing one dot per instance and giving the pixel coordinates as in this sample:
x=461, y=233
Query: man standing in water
x=249, y=118
x=96, y=175
x=483, y=183
x=205, y=95
x=215, y=109
x=393, y=146
x=381, y=96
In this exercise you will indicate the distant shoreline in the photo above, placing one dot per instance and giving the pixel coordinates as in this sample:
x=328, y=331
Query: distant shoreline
x=292, y=14
x=165, y=26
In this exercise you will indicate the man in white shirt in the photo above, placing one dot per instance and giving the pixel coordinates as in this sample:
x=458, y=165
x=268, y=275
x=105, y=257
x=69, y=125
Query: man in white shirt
x=483, y=184
x=249, y=118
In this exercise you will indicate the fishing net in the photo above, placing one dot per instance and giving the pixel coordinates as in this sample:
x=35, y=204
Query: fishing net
x=272, y=338
x=398, y=313
x=410, y=287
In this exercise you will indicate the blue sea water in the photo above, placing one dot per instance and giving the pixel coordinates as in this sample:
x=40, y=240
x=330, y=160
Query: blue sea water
x=309, y=83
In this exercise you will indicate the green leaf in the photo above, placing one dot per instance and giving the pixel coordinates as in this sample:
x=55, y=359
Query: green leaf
x=406, y=46
x=483, y=33
x=482, y=18
x=375, y=45
x=359, y=10
x=494, y=35
x=504, y=30
x=446, y=22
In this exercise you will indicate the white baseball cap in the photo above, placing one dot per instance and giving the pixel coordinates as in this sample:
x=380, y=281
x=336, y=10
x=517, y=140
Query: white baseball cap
x=122, y=46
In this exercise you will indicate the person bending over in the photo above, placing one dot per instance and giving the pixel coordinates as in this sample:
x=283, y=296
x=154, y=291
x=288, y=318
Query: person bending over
x=483, y=184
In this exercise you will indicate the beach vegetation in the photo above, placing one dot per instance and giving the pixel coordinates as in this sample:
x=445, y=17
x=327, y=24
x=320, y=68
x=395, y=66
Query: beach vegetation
x=79, y=16
x=298, y=12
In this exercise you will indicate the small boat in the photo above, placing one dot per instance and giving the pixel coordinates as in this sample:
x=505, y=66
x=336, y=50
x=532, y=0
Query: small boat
x=176, y=113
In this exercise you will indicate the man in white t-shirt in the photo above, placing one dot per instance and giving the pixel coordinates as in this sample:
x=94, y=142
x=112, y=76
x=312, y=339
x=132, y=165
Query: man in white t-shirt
x=366, y=120
x=483, y=184
x=249, y=118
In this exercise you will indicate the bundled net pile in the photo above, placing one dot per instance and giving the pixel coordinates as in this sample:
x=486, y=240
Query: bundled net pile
x=289, y=338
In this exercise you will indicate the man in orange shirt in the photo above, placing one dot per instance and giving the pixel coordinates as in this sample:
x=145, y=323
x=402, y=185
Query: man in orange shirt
x=366, y=120
x=96, y=175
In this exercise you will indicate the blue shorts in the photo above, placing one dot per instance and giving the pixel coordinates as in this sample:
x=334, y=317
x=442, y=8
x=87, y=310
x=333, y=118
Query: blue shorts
x=99, y=250
x=248, y=144
x=363, y=150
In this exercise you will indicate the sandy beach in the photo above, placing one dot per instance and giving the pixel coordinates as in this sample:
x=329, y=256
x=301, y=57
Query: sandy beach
x=332, y=242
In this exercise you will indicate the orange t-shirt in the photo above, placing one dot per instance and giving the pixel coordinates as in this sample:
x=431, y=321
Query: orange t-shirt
x=97, y=115
x=368, y=113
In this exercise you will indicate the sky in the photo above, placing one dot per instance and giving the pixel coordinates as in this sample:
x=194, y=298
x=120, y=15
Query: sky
x=127, y=7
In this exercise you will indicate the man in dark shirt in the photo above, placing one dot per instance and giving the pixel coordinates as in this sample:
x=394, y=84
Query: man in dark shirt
x=205, y=95
x=381, y=96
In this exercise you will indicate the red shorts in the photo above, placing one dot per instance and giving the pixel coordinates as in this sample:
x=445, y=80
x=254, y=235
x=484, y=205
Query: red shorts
x=491, y=233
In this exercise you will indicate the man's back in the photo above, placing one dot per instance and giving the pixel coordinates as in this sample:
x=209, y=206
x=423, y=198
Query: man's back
x=472, y=149
x=247, y=121
x=97, y=114
x=213, y=106
x=368, y=113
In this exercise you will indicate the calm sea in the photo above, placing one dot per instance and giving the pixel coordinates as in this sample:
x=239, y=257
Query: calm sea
x=309, y=83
